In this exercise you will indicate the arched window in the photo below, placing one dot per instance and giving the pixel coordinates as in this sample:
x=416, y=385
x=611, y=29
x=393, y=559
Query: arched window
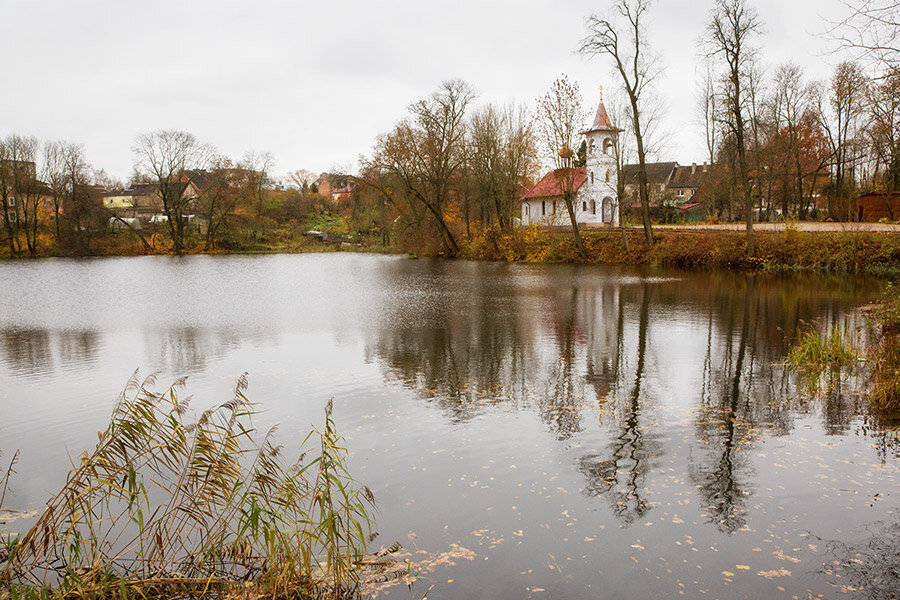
x=593, y=207
x=607, y=177
x=592, y=178
x=543, y=207
x=591, y=147
x=584, y=205
x=607, y=144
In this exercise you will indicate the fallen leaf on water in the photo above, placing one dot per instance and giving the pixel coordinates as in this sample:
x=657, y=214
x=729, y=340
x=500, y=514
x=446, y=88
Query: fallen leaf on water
x=774, y=573
x=744, y=567
x=727, y=573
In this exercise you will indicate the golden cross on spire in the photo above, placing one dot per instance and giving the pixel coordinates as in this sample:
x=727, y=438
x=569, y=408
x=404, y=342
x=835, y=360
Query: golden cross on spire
x=601, y=93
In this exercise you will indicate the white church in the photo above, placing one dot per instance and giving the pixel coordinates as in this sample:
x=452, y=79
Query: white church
x=594, y=184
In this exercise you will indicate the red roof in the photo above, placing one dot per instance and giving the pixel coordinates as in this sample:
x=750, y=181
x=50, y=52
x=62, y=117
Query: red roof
x=602, y=121
x=553, y=183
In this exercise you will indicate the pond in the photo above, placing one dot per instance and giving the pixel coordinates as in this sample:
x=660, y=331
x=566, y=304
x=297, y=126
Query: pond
x=545, y=431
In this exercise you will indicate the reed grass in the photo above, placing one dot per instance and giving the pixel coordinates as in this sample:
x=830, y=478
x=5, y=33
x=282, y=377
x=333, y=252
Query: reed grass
x=168, y=507
x=815, y=352
x=884, y=356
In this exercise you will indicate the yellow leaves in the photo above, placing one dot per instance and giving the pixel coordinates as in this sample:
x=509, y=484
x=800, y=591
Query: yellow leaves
x=743, y=567
x=727, y=573
x=774, y=573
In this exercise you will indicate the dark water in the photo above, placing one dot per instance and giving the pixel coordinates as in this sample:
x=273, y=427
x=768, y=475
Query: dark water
x=584, y=432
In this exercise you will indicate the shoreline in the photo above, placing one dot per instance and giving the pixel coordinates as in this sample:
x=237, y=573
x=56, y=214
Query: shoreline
x=789, y=249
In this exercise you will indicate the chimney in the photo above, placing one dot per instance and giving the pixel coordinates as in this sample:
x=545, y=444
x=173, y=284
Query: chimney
x=693, y=168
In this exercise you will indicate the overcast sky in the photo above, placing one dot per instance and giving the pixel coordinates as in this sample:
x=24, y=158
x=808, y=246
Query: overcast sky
x=314, y=82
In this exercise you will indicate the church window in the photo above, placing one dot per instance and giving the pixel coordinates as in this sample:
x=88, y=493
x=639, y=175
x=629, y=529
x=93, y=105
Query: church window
x=554, y=207
x=543, y=207
x=592, y=177
x=584, y=205
x=593, y=207
x=607, y=177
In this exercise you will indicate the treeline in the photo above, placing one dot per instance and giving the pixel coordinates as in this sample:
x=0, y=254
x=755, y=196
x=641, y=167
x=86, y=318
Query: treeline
x=184, y=197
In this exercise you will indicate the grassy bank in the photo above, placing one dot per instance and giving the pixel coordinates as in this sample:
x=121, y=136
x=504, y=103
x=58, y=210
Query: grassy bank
x=169, y=507
x=790, y=250
x=855, y=252
x=837, y=351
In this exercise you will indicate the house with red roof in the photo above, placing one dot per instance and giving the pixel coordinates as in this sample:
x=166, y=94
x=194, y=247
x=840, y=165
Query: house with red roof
x=593, y=184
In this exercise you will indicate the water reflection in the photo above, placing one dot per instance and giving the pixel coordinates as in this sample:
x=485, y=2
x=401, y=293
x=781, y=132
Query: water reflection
x=607, y=357
x=541, y=402
x=621, y=477
x=27, y=350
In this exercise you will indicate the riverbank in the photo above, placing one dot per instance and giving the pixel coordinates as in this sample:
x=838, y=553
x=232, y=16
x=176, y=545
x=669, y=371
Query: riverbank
x=789, y=250
x=853, y=251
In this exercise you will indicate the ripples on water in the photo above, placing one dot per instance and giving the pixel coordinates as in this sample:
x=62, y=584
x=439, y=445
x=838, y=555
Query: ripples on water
x=586, y=432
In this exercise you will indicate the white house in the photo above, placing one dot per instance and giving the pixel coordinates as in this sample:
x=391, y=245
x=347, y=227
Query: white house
x=594, y=184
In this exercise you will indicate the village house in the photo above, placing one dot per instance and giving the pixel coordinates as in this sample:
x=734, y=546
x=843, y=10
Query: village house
x=337, y=188
x=594, y=184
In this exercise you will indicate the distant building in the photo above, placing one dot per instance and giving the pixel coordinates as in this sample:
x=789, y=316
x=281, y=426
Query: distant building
x=594, y=184
x=339, y=188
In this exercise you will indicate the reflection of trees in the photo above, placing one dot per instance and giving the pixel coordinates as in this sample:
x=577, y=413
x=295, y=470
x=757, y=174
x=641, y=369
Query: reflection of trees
x=558, y=340
x=560, y=404
x=188, y=349
x=622, y=475
x=27, y=350
x=77, y=346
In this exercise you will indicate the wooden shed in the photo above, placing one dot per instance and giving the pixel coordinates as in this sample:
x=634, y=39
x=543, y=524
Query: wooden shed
x=875, y=206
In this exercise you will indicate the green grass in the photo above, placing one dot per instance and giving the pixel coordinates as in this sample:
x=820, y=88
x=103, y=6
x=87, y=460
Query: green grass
x=816, y=352
x=167, y=506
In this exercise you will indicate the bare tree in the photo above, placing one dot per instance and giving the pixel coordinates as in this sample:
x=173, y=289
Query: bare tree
x=732, y=27
x=884, y=130
x=872, y=27
x=502, y=154
x=707, y=107
x=619, y=108
x=256, y=167
x=626, y=45
x=561, y=117
x=166, y=155
x=839, y=110
x=53, y=169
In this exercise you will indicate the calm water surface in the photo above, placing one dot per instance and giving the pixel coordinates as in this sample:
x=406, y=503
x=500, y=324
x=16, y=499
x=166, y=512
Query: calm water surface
x=585, y=432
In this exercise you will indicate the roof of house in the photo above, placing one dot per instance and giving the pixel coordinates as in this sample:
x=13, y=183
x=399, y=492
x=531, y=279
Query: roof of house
x=688, y=177
x=656, y=172
x=553, y=183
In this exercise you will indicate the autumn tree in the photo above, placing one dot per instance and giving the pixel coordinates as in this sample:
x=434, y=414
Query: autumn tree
x=731, y=28
x=622, y=39
x=423, y=157
x=561, y=117
x=166, y=156
x=20, y=191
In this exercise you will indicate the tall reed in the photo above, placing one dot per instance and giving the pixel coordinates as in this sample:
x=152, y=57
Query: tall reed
x=165, y=506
